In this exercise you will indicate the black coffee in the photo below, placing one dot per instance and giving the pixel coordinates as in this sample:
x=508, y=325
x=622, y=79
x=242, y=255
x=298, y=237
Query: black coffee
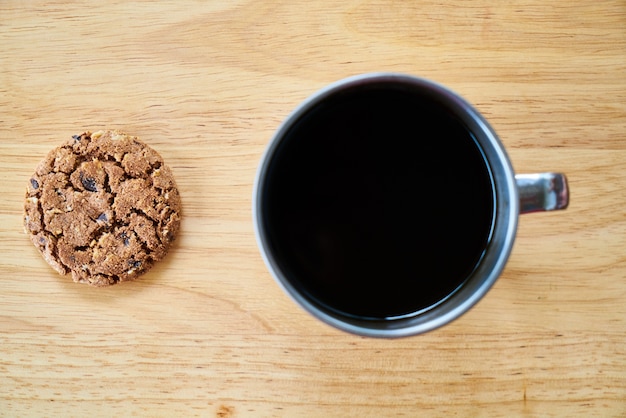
x=378, y=202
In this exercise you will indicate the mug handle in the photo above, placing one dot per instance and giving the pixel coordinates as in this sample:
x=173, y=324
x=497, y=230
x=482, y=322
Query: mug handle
x=542, y=192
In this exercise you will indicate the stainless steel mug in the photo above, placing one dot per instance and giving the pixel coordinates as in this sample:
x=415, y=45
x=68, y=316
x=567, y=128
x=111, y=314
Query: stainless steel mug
x=512, y=194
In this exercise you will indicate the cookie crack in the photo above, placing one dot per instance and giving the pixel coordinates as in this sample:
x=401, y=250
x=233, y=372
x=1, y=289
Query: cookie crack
x=142, y=213
x=96, y=235
x=109, y=278
x=80, y=158
x=57, y=257
x=154, y=227
x=153, y=167
x=105, y=183
x=39, y=209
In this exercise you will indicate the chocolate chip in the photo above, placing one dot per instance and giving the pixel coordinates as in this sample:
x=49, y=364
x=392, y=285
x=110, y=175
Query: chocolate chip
x=134, y=263
x=125, y=238
x=103, y=218
x=34, y=183
x=89, y=184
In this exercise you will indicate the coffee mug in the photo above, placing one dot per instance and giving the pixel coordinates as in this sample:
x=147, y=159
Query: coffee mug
x=386, y=206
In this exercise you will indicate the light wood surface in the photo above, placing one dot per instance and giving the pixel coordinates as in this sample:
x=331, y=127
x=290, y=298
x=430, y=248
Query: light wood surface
x=207, y=332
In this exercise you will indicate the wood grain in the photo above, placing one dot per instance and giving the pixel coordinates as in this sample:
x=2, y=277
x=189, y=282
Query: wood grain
x=207, y=332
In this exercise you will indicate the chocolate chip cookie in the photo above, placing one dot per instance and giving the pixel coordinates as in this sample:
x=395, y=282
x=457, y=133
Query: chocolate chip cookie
x=102, y=206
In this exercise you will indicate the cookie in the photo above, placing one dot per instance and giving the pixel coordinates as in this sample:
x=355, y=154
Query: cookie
x=102, y=206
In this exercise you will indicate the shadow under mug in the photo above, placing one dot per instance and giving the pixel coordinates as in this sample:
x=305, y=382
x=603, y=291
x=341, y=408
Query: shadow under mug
x=386, y=206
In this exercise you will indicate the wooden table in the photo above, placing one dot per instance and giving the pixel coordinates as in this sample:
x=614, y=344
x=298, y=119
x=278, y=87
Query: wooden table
x=208, y=332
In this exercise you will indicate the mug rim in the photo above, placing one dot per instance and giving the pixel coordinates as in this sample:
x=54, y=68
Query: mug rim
x=506, y=203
